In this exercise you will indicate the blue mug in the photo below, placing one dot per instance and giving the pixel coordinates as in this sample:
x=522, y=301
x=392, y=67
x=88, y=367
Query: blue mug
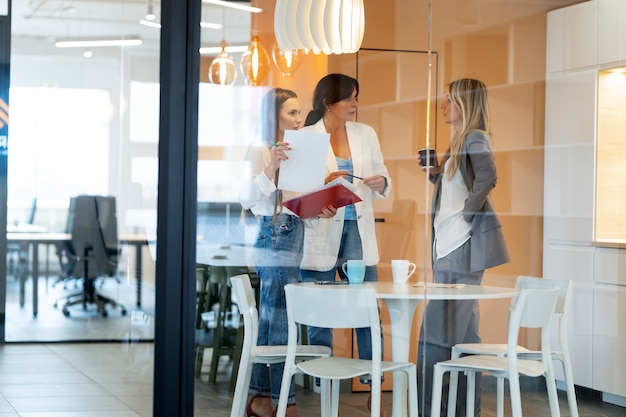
x=355, y=270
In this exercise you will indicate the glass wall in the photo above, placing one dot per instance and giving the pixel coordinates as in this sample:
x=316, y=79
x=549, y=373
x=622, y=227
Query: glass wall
x=84, y=121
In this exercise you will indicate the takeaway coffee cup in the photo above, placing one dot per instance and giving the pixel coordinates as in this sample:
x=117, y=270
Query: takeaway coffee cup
x=355, y=270
x=427, y=157
x=401, y=270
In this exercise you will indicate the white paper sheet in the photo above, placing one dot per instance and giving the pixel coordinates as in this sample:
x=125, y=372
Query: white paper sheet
x=305, y=170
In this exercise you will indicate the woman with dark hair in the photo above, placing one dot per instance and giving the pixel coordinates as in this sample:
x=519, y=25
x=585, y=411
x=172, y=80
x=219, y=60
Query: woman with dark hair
x=278, y=245
x=467, y=235
x=355, y=155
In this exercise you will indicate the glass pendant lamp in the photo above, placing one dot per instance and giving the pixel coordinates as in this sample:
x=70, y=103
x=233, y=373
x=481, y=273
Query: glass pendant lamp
x=287, y=61
x=255, y=62
x=223, y=69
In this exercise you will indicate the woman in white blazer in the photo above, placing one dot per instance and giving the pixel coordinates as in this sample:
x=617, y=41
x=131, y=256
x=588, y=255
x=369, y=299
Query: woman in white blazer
x=355, y=155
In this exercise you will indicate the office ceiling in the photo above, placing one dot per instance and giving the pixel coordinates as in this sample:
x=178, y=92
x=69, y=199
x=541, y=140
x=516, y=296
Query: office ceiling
x=41, y=22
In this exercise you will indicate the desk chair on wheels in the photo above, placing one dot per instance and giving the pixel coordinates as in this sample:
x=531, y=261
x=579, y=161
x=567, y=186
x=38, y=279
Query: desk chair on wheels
x=93, y=251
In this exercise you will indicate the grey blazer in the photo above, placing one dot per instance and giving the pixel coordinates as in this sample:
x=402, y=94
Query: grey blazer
x=477, y=166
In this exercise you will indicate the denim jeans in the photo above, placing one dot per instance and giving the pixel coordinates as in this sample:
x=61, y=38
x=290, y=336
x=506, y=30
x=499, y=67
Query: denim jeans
x=277, y=256
x=350, y=248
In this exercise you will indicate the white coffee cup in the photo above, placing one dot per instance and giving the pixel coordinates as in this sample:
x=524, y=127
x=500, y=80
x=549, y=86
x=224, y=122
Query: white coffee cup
x=401, y=269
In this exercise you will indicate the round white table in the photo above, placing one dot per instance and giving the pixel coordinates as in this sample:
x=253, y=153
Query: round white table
x=401, y=301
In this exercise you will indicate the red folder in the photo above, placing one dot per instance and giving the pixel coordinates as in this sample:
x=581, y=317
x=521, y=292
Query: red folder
x=311, y=204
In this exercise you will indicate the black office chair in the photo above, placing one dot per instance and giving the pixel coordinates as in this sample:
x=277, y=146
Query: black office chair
x=93, y=251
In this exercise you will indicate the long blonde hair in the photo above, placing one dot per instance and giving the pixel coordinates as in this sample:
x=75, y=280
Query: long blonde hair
x=470, y=97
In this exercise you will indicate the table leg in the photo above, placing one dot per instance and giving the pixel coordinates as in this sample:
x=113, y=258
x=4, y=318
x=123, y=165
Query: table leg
x=35, y=279
x=401, y=317
x=138, y=271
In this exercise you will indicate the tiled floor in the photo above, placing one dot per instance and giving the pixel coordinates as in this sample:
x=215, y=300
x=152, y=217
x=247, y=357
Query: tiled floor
x=115, y=380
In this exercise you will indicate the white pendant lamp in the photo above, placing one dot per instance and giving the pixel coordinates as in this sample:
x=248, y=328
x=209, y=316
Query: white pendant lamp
x=328, y=26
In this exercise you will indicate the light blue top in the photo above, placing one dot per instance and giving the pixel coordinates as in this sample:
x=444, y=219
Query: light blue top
x=346, y=165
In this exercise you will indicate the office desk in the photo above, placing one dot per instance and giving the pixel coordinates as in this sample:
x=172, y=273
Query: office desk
x=401, y=301
x=35, y=239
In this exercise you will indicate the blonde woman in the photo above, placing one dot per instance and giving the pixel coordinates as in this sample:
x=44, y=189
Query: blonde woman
x=467, y=235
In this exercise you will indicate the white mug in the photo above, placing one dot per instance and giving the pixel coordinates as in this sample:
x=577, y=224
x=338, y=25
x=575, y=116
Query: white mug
x=401, y=269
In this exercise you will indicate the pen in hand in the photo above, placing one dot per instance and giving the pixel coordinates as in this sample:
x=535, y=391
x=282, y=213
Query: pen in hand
x=354, y=176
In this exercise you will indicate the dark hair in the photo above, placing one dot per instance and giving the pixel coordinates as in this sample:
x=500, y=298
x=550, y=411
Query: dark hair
x=329, y=90
x=270, y=113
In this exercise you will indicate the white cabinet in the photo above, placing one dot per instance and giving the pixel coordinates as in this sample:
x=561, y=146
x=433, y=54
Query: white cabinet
x=612, y=31
x=572, y=37
x=609, y=335
x=583, y=39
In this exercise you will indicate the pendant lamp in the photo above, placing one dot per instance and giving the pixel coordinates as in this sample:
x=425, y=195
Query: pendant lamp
x=329, y=26
x=255, y=62
x=287, y=61
x=223, y=70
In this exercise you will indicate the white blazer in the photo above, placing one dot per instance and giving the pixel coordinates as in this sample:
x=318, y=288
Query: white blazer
x=322, y=239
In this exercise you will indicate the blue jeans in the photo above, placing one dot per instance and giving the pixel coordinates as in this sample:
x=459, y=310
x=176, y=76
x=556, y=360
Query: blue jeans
x=277, y=256
x=350, y=248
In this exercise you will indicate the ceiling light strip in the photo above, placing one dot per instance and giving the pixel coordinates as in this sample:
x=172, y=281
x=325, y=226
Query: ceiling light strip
x=233, y=6
x=94, y=43
x=208, y=50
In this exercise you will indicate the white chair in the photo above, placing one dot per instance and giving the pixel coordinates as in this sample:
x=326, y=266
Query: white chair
x=339, y=307
x=532, y=308
x=562, y=355
x=251, y=353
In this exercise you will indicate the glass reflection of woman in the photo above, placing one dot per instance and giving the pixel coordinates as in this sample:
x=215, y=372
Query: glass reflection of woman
x=278, y=245
x=467, y=235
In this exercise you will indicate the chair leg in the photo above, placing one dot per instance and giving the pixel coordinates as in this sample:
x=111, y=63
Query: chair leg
x=569, y=382
x=435, y=408
x=552, y=395
x=241, y=388
x=411, y=375
x=499, y=397
x=516, y=401
x=453, y=387
x=471, y=394
x=375, y=395
x=288, y=372
x=236, y=359
x=199, y=358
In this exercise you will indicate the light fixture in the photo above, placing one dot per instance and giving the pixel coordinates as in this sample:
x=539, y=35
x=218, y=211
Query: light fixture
x=287, y=61
x=255, y=63
x=205, y=25
x=87, y=53
x=209, y=25
x=332, y=27
x=150, y=15
x=97, y=42
x=223, y=70
x=150, y=23
x=231, y=49
x=233, y=6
